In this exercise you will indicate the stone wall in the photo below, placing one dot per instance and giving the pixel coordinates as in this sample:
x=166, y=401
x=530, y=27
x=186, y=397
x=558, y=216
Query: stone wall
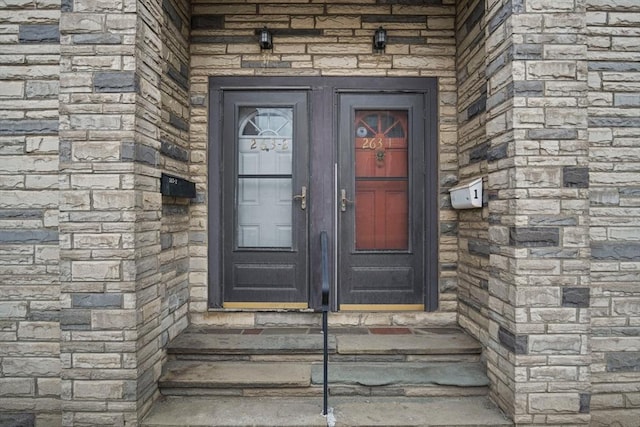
x=175, y=157
x=29, y=284
x=123, y=284
x=473, y=149
x=539, y=356
x=323, y=39
x=614, y=131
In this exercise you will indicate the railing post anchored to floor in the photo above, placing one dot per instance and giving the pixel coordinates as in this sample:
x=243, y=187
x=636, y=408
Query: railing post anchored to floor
x=324, y=247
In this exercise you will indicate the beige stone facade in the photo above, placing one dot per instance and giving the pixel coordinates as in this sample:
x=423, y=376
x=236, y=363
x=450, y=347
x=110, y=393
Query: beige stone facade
x=99, y=271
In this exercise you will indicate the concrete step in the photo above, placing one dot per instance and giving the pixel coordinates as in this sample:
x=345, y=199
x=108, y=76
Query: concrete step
x=382, y=344
x=343, y=411
x=202, y=374
x=186, y=377
x=402, y=377
x=206, y=343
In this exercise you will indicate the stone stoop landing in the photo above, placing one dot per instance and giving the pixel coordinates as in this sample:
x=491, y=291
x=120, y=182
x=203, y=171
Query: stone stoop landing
x=293, y=319
x=279, y=369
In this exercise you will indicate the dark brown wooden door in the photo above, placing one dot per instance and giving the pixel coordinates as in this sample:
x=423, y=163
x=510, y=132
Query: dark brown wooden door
x=265, y=199
x=381, y=220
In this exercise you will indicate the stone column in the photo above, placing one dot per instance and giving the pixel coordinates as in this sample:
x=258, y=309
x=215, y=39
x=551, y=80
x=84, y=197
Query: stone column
x=109, y=210
x=538, y=357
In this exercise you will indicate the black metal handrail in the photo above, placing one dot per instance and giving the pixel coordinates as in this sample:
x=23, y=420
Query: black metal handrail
x=324, y=248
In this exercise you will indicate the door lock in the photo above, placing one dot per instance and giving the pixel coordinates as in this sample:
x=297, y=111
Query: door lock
x=344, y=200
x=302, y=197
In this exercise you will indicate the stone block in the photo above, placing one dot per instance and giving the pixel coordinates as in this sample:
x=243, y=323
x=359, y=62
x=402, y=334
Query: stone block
x=97, y=241
x=605, y=251
x=21, y=419
x=37, y=89
x=517, y=344
x=553, y=403
x=538, y=296
x=31, y=366
x=12, y=89
x=114, y=200
x=479, y=247
x=96, y=360
x=105, y=300
x=552, y=134
x=207, y=22
x=28, y=127
x=140, y=153
x=96, y=150
x=48, y=387
x=75, y=320
x=13, y=309
x=115, y=82
x=28, y=236
x=113, y=319
x=575, y=297
x=95, y=270
x=555, y=344
x=534, y=236
x=553, y=373
x=79, y=23
x=575, y=176
x=104, y=38
x=623, y=361
x=14, y=387
x=551, y=70
x=97, y=389
x=95, y=122
x=39, y=33
x=552, y=315
x=627, y=306
x=42, y=331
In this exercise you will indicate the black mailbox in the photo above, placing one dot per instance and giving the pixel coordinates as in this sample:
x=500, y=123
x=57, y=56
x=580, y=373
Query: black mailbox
x=177, y=187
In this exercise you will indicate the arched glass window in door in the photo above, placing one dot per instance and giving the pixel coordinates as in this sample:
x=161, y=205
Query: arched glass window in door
x=264, y=178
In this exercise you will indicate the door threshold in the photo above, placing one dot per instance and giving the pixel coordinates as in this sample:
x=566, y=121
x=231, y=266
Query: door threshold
x=381, y=307
x=266, y=305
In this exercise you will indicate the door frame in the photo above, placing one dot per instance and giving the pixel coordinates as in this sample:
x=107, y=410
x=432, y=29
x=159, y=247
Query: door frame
x=323, y=98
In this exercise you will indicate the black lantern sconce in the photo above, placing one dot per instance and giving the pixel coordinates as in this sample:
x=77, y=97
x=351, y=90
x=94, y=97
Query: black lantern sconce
x=380, y=39
x=266, y=39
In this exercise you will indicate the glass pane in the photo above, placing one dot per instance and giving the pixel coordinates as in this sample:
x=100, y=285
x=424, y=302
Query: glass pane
x=381, y=175
x=264, y=212
x=264, y=184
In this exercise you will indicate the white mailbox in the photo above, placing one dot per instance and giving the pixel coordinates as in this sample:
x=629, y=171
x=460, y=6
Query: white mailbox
x=467, y=195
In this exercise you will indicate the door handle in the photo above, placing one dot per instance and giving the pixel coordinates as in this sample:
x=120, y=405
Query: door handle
x=344, y=200
x=302, y=197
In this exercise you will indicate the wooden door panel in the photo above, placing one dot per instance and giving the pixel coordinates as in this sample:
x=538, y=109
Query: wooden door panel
x=394, y=163
x=381, y=215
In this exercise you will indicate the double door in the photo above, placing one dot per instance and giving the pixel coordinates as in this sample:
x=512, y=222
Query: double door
x=291, y=162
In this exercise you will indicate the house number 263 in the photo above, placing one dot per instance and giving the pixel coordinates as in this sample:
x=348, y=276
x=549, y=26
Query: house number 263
x=372, y=143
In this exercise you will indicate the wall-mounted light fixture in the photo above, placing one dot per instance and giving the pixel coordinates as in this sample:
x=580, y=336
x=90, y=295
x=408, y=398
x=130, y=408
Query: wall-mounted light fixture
x=380, y=39
x=266, y=39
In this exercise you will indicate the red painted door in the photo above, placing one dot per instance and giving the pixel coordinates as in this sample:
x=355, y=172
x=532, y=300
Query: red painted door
x=381, y=260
